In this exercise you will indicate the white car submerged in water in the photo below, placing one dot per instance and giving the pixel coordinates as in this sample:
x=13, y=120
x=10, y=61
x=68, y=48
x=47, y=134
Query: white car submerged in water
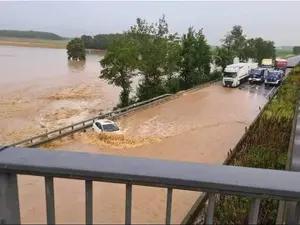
x=106, y=126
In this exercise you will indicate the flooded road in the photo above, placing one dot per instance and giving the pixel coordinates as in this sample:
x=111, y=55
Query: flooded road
x=41, y=90
x=198, y=127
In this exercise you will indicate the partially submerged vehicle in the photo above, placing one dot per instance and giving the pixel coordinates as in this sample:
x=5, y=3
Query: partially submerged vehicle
x=258, y=75
x=106, y=126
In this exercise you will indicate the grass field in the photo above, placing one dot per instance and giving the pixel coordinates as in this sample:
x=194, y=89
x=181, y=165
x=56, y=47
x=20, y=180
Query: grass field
x=28, y=42
x=284, y=53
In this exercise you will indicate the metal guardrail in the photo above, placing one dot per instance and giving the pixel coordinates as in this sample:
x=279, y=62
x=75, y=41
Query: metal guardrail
x=85, y=124
x=75, y=127
x=214, y=179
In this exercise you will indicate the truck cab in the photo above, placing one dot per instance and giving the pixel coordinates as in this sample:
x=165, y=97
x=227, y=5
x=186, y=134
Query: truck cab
x=257, y=75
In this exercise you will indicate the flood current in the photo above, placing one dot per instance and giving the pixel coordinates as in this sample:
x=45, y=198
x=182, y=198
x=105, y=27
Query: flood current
x=41, y=90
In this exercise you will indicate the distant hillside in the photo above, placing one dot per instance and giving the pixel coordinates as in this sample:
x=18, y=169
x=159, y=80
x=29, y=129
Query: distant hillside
x=30, y=34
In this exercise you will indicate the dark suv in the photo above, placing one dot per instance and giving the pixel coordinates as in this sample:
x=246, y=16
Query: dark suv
x=257, y=75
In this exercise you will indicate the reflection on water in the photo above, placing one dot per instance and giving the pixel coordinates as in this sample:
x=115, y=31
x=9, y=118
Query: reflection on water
x=76, y=66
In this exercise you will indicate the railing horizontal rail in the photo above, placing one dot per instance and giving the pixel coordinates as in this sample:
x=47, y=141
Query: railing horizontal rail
x=214, y=179
x=143, y=171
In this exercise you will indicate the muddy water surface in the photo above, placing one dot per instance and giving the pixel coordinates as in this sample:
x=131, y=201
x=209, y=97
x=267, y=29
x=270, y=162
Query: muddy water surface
x=41, y=90
x=198, y=127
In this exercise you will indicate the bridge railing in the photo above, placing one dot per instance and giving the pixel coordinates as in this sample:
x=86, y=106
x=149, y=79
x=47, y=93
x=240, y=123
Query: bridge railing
x=82, y=125
x=214, y=179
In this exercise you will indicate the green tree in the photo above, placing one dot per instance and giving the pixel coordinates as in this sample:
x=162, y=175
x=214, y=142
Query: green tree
x=153, y=43
x=223, y=57
x=250, y=50
x=263, y=49
x=172, y=66
x=75, y=49
x=99, y=41
x=296, y=50
x=235, y=41
x=119, y=64
x=196, y=58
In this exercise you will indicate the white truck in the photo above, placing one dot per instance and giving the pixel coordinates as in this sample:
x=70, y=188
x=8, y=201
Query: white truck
x=236, y=73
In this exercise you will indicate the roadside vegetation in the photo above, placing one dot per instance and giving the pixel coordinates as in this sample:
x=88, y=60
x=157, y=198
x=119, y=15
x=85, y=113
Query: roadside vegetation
x=265, y=147
x=167, y=62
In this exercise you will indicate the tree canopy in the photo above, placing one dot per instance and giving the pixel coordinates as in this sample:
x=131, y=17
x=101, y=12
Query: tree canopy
x=163, y=61
x=296, y=50
x=99, y=41
x=166, y=62
x=76, y=50
x=236, y=44
x=30, y=34
x=119, y=64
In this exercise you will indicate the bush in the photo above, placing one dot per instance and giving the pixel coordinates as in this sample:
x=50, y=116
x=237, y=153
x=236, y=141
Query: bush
x=266, y=147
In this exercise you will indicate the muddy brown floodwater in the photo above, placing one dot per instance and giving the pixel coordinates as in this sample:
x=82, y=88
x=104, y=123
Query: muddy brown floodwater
x=198, y=127
x=40, y=90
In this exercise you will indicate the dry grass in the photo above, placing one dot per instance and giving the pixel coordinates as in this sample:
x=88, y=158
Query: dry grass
x=28, y=42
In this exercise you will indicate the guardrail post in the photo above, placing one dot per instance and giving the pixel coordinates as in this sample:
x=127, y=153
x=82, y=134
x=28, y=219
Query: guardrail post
x=9, y=199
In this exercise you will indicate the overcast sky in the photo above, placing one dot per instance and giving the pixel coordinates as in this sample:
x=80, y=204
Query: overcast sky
x=278, y=21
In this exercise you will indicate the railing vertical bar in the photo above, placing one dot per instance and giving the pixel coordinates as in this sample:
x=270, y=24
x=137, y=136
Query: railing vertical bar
x=89, y=202
x=297, y=213
x=169, y=205
x=210, y=208
x=128, y=204
x=50, y=207
x=9, y=199
x=253, y=215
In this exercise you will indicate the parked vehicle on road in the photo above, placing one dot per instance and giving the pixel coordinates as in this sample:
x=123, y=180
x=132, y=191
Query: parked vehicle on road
x=235, y=74
x=267, y=63
x=281, y=64
x=274, y=78
x=106, y=126
x=257, y=75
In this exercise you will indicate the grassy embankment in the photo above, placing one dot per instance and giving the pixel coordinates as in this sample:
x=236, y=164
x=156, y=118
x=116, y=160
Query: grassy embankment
x=266, y=147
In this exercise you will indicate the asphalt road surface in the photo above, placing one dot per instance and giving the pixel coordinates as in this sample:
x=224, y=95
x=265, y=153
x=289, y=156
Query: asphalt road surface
x=257, y=89
x=260, y=89
x=293, y=61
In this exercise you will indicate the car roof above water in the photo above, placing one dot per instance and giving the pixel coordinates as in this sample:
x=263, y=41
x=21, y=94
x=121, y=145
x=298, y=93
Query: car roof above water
x=105, y=121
